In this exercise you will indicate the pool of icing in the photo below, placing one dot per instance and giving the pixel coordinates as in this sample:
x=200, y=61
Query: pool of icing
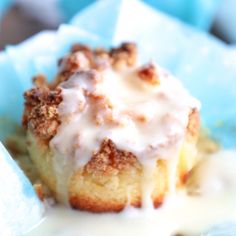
x=209, y=200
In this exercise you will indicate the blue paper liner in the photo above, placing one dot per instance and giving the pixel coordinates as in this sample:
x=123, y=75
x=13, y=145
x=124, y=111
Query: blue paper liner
x=199, y=13
x=20, y=207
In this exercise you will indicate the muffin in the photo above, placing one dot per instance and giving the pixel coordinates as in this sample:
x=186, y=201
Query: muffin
x=107, y=133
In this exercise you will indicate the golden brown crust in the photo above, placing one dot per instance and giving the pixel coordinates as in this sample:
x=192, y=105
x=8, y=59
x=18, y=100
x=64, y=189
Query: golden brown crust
x=41, y=114
x=109, y=169
x=95, y=205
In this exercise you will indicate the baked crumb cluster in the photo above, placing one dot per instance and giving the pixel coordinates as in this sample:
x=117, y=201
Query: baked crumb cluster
x=41, y=102
x=82, y=57
x=110, y=158
x=105, y=128
x=41, y=114
x=149, y=74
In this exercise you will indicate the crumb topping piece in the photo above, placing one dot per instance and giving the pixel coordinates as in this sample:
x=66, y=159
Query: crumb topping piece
x=40, y=81
x=109, y=159
x=41, y=114
x=149, y=74
x=126, y=55
x=83, y=57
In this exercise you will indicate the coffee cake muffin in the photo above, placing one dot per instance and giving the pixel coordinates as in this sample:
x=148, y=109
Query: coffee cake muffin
x=107, y=134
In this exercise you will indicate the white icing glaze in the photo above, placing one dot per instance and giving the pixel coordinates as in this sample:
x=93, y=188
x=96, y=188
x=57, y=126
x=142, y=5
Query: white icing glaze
x=148, y=120
x=190, y=215
x=215, y=174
